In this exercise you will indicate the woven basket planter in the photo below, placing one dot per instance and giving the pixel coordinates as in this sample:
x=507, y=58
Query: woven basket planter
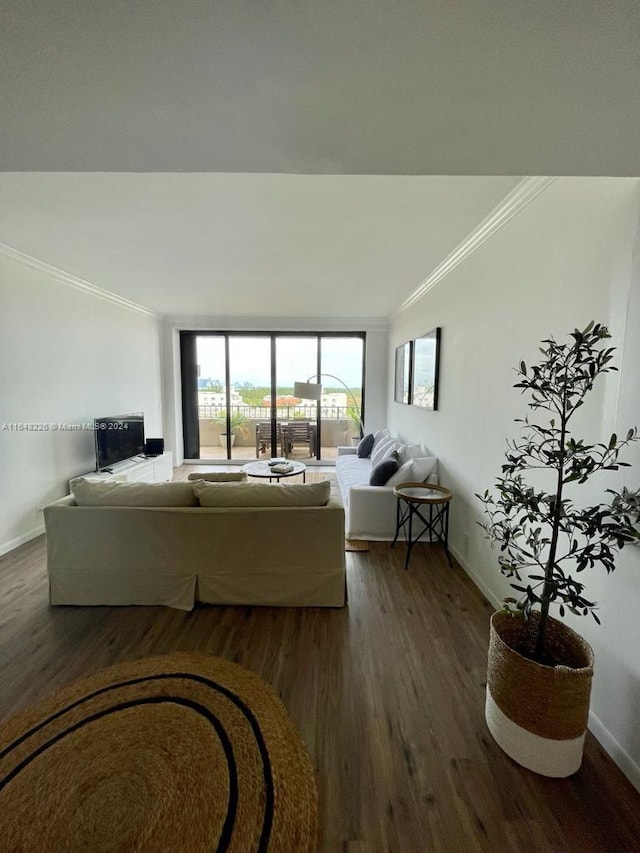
x=538, y=714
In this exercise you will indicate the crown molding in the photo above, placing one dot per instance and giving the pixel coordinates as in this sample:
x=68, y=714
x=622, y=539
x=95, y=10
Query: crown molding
x=73, y=281
x=203, y=322
x=515, y=201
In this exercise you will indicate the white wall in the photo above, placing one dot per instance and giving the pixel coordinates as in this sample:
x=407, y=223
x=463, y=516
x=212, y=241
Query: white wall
x=570, y=256
x=376, y=378
x=66, y=356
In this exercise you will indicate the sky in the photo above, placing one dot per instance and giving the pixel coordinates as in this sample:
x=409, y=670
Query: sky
x=295, y=359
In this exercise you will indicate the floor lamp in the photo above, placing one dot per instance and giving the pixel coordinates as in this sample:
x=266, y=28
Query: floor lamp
x=313, y=391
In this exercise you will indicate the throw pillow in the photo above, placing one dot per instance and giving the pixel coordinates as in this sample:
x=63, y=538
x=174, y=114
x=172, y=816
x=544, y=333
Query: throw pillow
x=381, y=473
x=413, y=451
x=402, y=475
x=262, y=494
x=421, y=469
x=364, y=446
x=115, y=493
x=377, y=452
x=383, y=450
x=379, y=436
x=220, y=477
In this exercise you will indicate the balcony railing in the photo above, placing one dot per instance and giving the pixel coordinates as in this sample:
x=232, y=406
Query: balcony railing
x=337, y=427
x=263, y=413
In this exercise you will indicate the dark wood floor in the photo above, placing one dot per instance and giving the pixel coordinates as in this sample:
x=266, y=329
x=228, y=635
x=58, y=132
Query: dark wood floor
x=388, y=695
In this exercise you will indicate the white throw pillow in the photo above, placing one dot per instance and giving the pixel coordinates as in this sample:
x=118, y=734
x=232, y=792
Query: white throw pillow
x=262, y=494
x=377, y=452
x=412, y=451
x=421, y=469
x=402, y=475
x=383, y=450
x=379, y=436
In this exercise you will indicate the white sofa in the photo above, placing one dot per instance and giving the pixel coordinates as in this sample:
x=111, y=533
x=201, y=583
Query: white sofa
x=370, y=511
x=180, y=553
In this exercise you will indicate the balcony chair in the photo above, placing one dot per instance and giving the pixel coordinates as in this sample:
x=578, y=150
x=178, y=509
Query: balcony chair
x=263, y=437
x=298, y=432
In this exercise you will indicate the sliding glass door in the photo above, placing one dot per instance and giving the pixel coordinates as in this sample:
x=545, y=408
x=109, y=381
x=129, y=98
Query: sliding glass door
x=296, y=358
x=238, y=398
x=211, y=355
x=250, y=371
x=341, y=405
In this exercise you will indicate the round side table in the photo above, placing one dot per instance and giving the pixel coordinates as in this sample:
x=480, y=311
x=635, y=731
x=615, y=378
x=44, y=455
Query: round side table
x=413, y=500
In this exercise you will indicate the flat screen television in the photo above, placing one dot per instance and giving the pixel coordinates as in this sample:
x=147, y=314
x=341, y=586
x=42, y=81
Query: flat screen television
x=118, y=437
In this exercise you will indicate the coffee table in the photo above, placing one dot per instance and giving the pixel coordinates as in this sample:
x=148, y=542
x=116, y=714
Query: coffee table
x=262, y=470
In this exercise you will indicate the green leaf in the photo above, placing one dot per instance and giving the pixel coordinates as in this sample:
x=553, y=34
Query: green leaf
x=544, y=537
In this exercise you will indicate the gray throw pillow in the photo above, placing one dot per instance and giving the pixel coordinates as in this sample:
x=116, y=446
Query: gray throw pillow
x=364, y=446
x=382, y=472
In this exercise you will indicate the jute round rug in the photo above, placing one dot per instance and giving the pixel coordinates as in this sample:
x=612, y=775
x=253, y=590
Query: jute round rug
x=184, y=752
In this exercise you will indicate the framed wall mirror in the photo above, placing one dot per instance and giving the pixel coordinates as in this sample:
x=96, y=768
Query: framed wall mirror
x=402, y=392
x=424, y=374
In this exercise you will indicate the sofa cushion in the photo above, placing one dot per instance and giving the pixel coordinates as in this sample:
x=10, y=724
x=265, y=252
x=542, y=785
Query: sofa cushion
x=114, y=493
x=351, y=471
x=381, y=473
x=221, y=476
x=263, y=494
x=365, y=446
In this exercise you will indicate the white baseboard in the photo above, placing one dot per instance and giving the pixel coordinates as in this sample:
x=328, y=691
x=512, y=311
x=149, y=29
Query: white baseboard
x=611, y=746
x=602, y=734
x=20, y=540
x=484, y=589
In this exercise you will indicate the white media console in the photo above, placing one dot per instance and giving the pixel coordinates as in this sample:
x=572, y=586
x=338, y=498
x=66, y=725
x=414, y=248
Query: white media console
x=155, y=469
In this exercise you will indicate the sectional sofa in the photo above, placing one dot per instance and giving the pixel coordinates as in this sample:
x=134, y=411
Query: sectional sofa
x=178, y=543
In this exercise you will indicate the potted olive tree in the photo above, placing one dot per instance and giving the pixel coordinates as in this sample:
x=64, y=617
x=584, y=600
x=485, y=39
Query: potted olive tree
x=540, y=671
x=238, y=425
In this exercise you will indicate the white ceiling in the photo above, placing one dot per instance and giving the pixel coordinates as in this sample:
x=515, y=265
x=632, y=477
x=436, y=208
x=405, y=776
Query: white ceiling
x=326, y=94
x=259, y=245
